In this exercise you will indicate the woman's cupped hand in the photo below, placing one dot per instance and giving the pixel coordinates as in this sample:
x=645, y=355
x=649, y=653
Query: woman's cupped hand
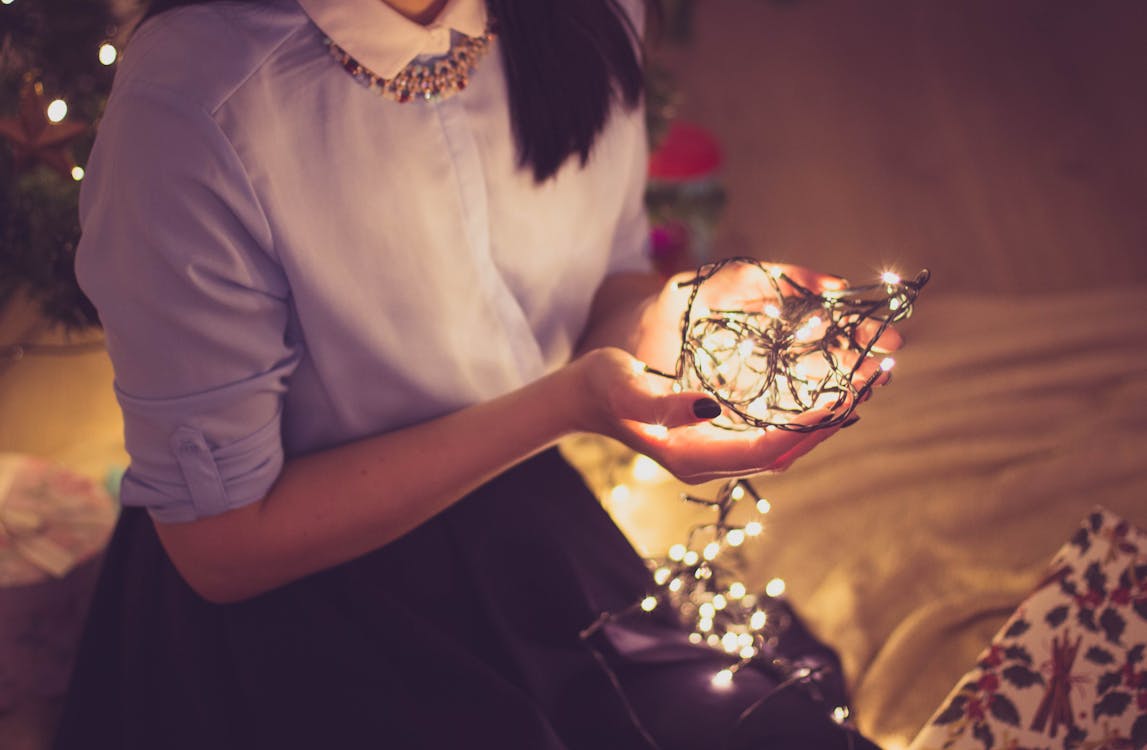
x=625, y=401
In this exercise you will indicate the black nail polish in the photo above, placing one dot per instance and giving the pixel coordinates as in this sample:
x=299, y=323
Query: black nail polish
x=706, y=408
x=850, y=422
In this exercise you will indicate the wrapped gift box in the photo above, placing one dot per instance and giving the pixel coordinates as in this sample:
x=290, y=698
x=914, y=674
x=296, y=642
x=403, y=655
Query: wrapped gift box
x=1068, y=668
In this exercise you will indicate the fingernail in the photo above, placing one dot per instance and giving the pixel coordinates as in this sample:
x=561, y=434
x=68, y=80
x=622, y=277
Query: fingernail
x=706, y=408
x=850, y=422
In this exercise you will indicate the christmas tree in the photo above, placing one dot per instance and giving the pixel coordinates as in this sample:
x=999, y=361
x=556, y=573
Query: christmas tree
x=57, y=59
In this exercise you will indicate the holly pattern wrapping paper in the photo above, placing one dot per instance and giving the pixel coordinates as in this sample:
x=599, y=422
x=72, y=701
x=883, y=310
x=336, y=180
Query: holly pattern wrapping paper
x=1068, y=668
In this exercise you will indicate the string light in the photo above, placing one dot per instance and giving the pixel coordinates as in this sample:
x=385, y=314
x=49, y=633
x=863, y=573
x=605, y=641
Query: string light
x=57, y=110
x=645, y=469
x=767, y=363
x=620, y=494
x=723, y=679
x=714, y=605
x=77, y=173
x=108, y=53
x=790, y=351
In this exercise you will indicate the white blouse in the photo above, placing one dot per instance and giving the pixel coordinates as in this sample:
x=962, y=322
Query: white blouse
x=283, y=260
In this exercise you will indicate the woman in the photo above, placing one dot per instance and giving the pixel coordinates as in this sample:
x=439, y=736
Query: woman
x=342, y=319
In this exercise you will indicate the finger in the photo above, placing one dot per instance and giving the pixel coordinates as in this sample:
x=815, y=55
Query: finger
x=647, y=403
x=812, y=280
x=886, y=341
x=709, y=451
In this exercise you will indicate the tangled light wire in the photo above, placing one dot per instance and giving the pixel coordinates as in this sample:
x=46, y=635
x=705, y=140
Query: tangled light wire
x=787, y=352
x=766, y=362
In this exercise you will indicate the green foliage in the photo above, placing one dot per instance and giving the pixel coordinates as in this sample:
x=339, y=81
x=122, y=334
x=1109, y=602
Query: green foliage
x=56, y=42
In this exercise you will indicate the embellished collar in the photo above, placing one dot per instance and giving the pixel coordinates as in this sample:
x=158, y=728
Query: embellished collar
x=383, y=39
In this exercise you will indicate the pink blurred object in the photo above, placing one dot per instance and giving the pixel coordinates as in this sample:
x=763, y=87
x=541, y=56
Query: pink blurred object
x=53, y=525
x=684, y=196
x=688, y=152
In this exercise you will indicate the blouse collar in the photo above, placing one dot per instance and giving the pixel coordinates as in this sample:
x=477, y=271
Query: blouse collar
x=384, y=40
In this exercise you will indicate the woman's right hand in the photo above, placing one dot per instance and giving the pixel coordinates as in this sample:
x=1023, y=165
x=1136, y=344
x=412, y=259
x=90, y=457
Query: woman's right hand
x=617, y=398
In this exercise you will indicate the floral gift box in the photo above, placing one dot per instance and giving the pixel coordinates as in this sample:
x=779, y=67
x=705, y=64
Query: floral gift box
x=1067, y=670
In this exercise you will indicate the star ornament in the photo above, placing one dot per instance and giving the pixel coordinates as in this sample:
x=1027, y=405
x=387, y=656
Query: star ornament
x=34, y=138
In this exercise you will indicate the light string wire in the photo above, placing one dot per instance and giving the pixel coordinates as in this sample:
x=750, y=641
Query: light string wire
x=755, y=362
x=777, y=357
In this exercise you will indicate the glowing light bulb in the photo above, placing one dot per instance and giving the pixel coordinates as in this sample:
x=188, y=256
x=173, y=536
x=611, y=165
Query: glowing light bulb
x=744, y=639
x=108, y=53
x=620, y=494
x=77, y=173
x=704, y=625
x=890, y=277
x=753, y=528
x=729, y=642
x=775, y=587
x=720, y=602
x=776, y=272
x=675, y=585
x=737, y=590
x=6, y=2
x=758, y=619
x=645, y=469
x=735, y=537
x=713, y=641
x=658, y=431
x=737, y=493
x=677, y=552
x=695, y=638
x=894, y=304
x=661, y=575
x=57, y=110
x=712, y=549
x=772, y=311
x=707, y=611
x=690, y=558
x=649, y=603
x=748, y=652
x=839, y=714
x=723, y=679
x=887, y=364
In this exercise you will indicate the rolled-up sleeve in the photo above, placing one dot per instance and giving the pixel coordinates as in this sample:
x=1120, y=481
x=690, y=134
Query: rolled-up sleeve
x=177, y=256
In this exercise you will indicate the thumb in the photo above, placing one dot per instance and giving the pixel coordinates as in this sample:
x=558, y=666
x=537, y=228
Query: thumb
x=672, y=409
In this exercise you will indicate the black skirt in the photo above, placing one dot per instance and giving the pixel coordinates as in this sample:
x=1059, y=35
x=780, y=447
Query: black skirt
x=463, y=633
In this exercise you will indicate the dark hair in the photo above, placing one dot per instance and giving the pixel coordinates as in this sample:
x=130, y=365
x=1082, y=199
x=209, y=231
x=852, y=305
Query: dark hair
x=566, y=63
